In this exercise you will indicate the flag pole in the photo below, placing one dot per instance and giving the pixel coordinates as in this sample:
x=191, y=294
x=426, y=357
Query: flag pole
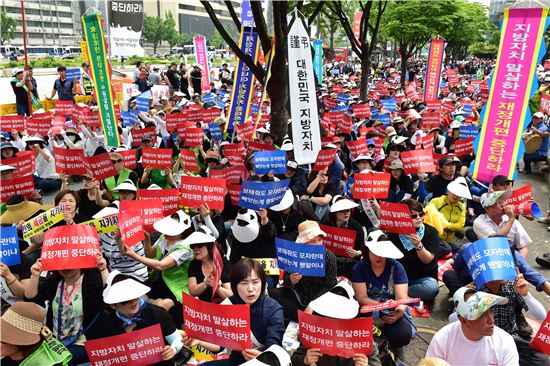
x=24, y=33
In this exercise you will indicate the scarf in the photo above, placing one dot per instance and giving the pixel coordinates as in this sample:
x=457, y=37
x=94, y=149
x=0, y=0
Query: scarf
x=407, y=243
x=36, y=104
x=135, y=319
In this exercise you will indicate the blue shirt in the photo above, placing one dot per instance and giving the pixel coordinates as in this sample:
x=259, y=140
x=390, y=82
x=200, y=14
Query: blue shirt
x=64, y=89
x=379, y=288
x=543, y=149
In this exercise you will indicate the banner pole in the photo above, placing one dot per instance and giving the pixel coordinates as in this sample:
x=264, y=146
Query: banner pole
x=24, y=33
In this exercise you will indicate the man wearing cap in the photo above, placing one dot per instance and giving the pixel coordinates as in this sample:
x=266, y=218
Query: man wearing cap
x=437, y=184
x=154, y=76
x=538, y=127
x=196, y=79
x=122, y=174
x=20, y=85
x=474, y=339
x=66, y=89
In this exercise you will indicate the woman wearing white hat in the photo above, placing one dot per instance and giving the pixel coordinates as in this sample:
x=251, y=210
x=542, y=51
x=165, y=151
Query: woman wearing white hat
x=45, y=177
x=286, y=217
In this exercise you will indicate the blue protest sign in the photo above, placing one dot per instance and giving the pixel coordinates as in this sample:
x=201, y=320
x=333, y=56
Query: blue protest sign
x=339, y=108
x=254, y=108
x=9, y=245
x=490, y=259
x=215, y=131
x=305, y=259
x=467, y=109
x=126, y=121
x=146, y=94
x=467, y=131
x=318, y=60
x=208, y=98
x=142, y=104
x=389, y=104
x=335, y=71
x=256, y=195
x=265, y=161
x=72, y=74
x=342, y=98
x=384, y=118
x=220, y=103
x=374, y=113
x=222, y=94
x=442, y=84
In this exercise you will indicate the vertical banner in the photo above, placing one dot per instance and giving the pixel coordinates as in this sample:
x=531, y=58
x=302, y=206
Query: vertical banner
x=101, y=77
x=433, y=71
x=201, y=55
x=269, y=61
x=357, y=24
x=499, y=145
x=318, y=60
x=125, y=25
x=247, y=17
x=306, y=135
x=243, y=80
x=84, y=51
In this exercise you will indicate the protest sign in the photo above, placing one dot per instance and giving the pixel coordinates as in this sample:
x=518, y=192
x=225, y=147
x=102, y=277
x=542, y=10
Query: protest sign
x=390, y=304
x=72, y=74
x=104, y=225
x=541, y=341
x=416, y=160
x=234, y=153
x=431, y=120
x=39, y=124
x=256, y=195
x=432, y=106
x=465, y=132
x=192, y=136
x=520, y=195
x=156, y=158
x=358, y=147
x=267, y=161
x=256, y=146
x=490, y=259
x=70, y=247
x=371, y=185
x=138, y=134
x=189, y=160
x=142, y=104
x=215, y=131
x=149, y=210
x=99, y=166
x=130, y=225
x=324, y=159
x=426, y=142
x=69, y=161
x=129, y=158
x=306, y=259
x=91, y=119
x=63, y=107
x=9, y=123
x=176, y=121
x=361, y=110
x=544, y=103
x=22, y=185
x=197, y=190
x=225, y=325
x=58, y=124
x=24, y=161
x=336, y=337
x=389, y=104
x=9, y=246
x=217, y=269
x=396, y=218
x=42, y=222
x=234, y=191
x=338, y=240
x=169, y=198
x=160, y=91
x=138, y=348
x=464, y=146
x=245, y=131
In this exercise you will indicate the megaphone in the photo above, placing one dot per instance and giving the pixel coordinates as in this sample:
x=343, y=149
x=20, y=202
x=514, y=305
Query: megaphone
x=529, y=209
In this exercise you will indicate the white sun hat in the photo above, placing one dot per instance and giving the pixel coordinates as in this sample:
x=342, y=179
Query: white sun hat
x=341, y=203
x=198, y=237
x=286, y=202
x=459, y=187
x=172, y=227
x=334, y=305
x=378, y=243
x=124, y=290
x=246, y=226
x=127, y=185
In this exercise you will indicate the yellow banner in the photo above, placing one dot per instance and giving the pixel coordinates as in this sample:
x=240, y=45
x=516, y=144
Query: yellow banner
x=38, y=224
x=104, y=225
x=84, y=51
x=269, y=265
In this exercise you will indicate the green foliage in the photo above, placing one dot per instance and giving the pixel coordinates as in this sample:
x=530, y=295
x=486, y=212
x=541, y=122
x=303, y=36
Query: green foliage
x=153, y=31
x=7, y=27
x=488, y=47
x=216, y=40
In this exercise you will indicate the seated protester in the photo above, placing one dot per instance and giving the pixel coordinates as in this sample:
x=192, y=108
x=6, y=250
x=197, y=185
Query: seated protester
x=393, y=152
x=122, y=174
x=474, y=339
x=286, y=216
x=390, y=133
x=74, y=297
x=252, y=235
x=336, y=304
x=298, y=179
x=13, y=280
x=161, y=177
x=169, y=259
x=93, y=137
x=301, y=290
x=69, y=139
x=437, y=184
x=452, y=208
x=439, y=140
x=341, y=217
x=401, y=185
x=248, y=283
x=131, y=311
x=499, y=220
x=91, y=198
x=201, y=269
x=7, y=150
x=319, y=193
x=420, y=263
x=378, y=277
x=26, y=341
x=45, y=178
x=363, y=163
x=70, y=201
x=211, y=219
x=540, y=128
x=375, y=156
x=213, y=159
x=452, y=133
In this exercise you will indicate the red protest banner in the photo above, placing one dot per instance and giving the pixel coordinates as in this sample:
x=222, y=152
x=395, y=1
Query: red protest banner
x=448, y=107
x=234, y=153
x=245, y=131
x=91, y=118
x=117, y=112
x=464, y=146
x=99, y=166
x=79, y=111
x=330, y=102
x=339, y=240
x=129, y=158
x=378, y=145
x=69, y=161
x=336, y=117
x=138, y=348
x=225, y=325
x=256, y=146
x=176, y=121
x=22, y=185
x=236, y=174
x=358, y=147
x=210, y=114
x=544, y=106
x=58, y=125
x=63, y=107
x=189, y=160
x=520, y=195
x=234, y=191
x=427, y=141
x=192, y=136
x=138, y=134
x=396, y=218
x=416, y=160
x=169, y=198
x=336, y=337
x=130, y=225
x=156, y=158
x=9, y=123
x=324, y=159
x=196, y=190
x=345, y=124
x=39, y=124
x=390, y=304
x=541, y=342
x=371, y=185
x=150, y=211
x=24, y=161
x=70, y=247
x=361, y=110
x=217, y=270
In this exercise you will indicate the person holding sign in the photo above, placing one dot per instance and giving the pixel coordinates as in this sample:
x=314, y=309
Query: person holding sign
x=448, y=166
x=123, y=174
x=379, y=277
x=70, y=202
x=319, y=193
x=401, y=185
x=287, y=215
x=91, y=196
x=45, y=178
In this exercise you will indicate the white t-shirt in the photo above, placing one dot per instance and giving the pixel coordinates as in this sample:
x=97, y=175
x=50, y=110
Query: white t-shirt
x=450, y=344
x=484, y=227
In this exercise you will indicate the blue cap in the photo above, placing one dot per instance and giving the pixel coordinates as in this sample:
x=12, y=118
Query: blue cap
x=370, y=142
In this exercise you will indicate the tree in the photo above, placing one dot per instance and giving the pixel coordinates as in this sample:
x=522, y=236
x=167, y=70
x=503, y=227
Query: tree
x=153, y=31
x=216, y=40
x=7, y=27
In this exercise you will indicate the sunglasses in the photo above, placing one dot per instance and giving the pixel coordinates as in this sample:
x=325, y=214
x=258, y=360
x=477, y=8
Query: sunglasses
x=193, y=246
x=418, y=215
x=115, y=161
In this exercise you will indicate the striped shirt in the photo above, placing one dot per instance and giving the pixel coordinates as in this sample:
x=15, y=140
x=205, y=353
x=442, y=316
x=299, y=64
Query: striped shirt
x=126, y=265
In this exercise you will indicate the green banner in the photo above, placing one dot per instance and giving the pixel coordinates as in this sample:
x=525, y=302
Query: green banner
x=101, y=77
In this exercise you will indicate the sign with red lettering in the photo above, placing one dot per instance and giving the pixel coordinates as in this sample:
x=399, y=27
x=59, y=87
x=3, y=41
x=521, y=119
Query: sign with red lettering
x=396, y=218
x=176, y=121
x=39, y=124
x=9, y=123
x=544, y=106
x=138, y=348
x=192, y=136
x=99, y=166
x=464, y=146
x=338, y=240
x=24, y=161
x=245, y=131
x=361, y=110
x=520, y=195
x=129, y=158
x=156, y=158
x=189, y=160
x=150, y=211
x=541, y=342
x=256, y=146
x=390, y=304
x=138, y=134
x=358, y=147
x=234, y=191
x=196, y=190
x=63, y=107
x=324, y=159
x=416, y=160
x=69, y=161
x=22, y=185
x=224, y=325
x=70, y=247
x=130, y=225
x=169, y=198
x=234, y=153
x=371, y=185
x=336, y=337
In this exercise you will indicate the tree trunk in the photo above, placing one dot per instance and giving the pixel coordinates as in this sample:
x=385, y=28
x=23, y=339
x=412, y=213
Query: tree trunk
x=403, y=53
x=154, y=48
x=365, y=73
